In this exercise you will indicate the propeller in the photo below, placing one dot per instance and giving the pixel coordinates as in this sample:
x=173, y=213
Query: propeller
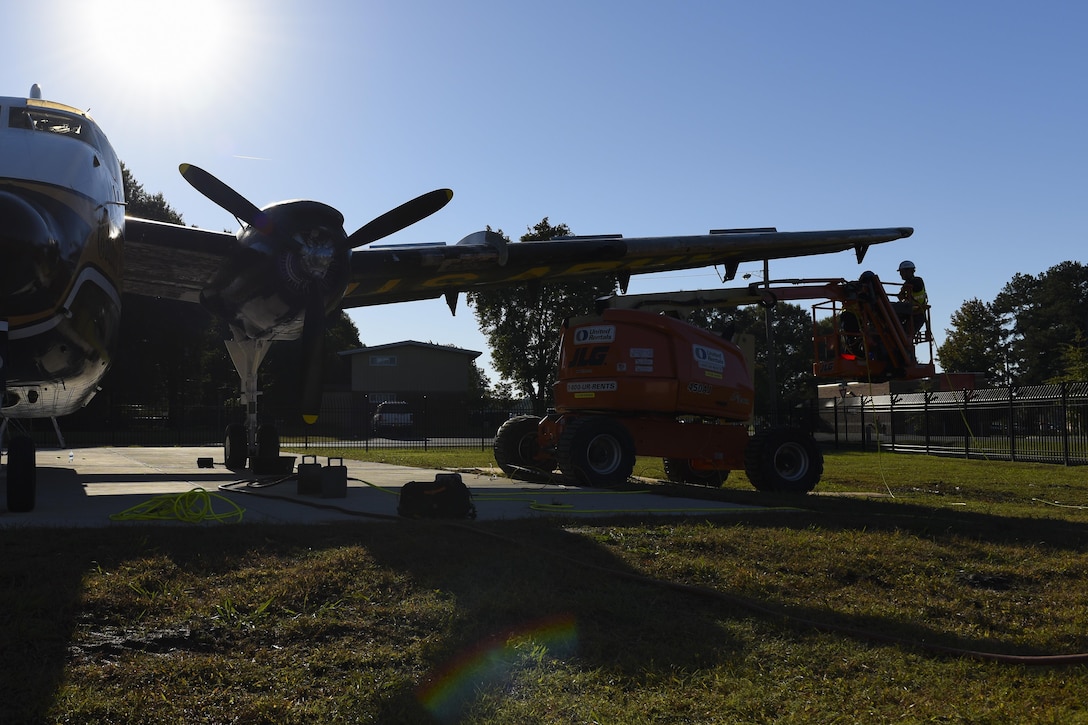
x=3, y=358
x=313, y=347
x=314, y=320
x=403, y=216
x=221, y=194
x=388, y=223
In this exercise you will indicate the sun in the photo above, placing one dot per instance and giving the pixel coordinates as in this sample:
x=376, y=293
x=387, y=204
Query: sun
x=165, y=45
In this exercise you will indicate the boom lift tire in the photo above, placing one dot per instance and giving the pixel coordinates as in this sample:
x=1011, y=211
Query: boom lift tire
x=783, y=460
x=22, y=475
x=516, y=446
x=235, y=447
x=679, y=470
x=596, y=451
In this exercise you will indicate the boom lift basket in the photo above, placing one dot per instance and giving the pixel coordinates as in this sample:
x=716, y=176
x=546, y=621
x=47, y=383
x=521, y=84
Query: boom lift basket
x=859, y=335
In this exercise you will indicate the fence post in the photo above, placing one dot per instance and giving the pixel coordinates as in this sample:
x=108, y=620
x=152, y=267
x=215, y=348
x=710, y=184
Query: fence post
x=864, y=432
x=1064, y=422
x=1012, y=423
x=927, y=396
x=966, y=425
x=845, y=423
x=892, y=400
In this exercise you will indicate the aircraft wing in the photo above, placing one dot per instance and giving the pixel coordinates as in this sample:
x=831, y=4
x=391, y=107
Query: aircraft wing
x=484, y=260
x=170, y=260
x=177, y=262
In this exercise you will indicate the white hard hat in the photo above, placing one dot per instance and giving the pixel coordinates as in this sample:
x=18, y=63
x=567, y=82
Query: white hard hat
x=906, y=264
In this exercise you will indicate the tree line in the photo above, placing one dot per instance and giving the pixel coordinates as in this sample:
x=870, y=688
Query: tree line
x=1034, y=332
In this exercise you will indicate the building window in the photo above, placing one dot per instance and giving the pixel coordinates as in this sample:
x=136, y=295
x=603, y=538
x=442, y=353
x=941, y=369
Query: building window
x=383, y=361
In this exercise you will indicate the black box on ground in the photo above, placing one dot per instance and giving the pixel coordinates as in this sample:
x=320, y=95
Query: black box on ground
x=309, y=477
x=334, y=479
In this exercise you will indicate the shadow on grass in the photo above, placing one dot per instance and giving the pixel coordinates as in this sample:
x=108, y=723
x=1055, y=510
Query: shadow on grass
x=866, y=513
x=505, y=596
x=533, y=582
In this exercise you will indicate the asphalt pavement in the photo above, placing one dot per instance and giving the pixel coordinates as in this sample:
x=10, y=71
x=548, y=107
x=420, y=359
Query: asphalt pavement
x=183, y=486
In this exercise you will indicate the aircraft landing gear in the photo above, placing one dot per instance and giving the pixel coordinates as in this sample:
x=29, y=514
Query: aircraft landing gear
x=22, y=474
x=235, y=447
x=267, y=459
x=257, y=444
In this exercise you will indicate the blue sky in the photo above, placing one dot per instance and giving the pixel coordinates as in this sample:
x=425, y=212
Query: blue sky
x=965, y=120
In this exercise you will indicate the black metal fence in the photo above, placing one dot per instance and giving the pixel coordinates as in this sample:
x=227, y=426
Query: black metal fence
x=1045, y=424
x=345, y=422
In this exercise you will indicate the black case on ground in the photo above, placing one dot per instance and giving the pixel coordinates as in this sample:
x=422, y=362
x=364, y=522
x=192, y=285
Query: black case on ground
x=446, y=497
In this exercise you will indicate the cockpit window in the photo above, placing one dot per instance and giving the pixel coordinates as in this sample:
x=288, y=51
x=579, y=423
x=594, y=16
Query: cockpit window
x=50, y=120
x=20, y=118
x=62, y=123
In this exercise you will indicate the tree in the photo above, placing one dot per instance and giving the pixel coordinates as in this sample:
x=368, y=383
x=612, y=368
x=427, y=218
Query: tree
x=144, y=205
x=1074, y=361
x=523, y=323
x=1042, y=314
x=974, y=343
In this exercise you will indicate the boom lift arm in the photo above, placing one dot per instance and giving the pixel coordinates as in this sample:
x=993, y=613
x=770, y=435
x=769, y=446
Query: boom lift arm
x=857, y=332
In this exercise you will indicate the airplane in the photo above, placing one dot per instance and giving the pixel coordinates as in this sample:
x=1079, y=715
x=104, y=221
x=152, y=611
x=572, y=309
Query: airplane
x=67, y=251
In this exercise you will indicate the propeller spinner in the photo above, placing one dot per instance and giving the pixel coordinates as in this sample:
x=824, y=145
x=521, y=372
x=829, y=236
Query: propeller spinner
x=314, y=320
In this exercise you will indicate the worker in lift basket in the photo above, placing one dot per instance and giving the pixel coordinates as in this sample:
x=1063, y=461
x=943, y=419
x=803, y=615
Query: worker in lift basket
x=913, y=301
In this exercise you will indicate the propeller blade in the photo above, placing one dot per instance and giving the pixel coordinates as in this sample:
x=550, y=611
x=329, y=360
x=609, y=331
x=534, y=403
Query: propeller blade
x=403, y=216
x=221, y=194
x=3, y=356
x=313, y=345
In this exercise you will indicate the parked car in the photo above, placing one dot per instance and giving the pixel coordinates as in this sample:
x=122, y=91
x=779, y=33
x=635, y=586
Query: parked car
x=393, y=419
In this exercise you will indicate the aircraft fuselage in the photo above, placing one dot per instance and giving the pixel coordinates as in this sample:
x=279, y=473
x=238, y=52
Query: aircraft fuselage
x=61, y=243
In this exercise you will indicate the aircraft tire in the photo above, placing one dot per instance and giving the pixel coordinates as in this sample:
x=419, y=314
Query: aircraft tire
x=235, y=447
x=268, y=443
x=679, y=470
x=266, y=461
x=783, y=460
x=22, y=475
x=515, y=447
x=596, y=451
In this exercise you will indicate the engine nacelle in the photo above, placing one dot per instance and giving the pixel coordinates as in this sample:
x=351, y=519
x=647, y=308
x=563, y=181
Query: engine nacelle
x=264, y=287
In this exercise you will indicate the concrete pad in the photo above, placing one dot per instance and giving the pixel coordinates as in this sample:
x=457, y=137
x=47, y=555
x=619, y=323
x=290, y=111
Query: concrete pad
x=99, y=485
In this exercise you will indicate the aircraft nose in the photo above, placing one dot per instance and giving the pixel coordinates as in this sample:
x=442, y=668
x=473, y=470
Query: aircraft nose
x=29, y=257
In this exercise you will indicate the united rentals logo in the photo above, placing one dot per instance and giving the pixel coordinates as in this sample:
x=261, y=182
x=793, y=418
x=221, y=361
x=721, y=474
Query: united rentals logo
x=594, y=334
x=709, y=358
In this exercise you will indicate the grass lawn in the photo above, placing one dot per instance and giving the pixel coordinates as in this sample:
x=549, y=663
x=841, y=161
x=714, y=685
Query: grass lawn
x=947, y=591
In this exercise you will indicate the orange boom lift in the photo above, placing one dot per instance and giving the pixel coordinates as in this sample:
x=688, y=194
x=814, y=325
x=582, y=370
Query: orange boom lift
x=638, y=382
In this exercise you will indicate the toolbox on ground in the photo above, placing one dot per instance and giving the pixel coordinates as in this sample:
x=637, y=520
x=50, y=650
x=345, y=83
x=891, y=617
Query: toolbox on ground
x=446, y=497
x=329, y=481
x=334, y=479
